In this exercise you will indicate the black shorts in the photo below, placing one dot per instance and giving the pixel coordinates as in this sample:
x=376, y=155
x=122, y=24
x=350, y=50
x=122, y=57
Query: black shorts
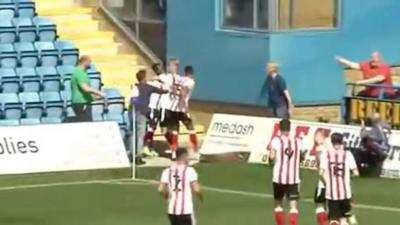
x=167, y=118
x=181, y=219
x=339, y=209
x=290, y=191
x=154, y=118
x=187, y=120
x=319, y=196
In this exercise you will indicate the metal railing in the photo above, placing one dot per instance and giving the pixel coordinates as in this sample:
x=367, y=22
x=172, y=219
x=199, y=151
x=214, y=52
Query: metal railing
x=140, y=23
x=351, y=89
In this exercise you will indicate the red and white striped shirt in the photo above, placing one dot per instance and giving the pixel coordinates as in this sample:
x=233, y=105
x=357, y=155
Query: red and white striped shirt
x=337, y=166
x=179, y=179
x=287, y=160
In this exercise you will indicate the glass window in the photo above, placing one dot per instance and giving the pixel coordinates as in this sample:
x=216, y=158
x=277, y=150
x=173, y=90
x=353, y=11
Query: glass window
x=238, y=13
x=314, y=13
x=263, y=15
x=153, y=9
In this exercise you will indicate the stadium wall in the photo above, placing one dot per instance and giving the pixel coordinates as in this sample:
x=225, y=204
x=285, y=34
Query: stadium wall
x=230, y=64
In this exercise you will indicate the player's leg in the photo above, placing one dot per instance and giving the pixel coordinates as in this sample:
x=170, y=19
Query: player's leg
x=173, y=219
x=293, y=196
x=153, y=116
x=173, y=127
x=188, y=122
x=187, y=220
x=347, y=208
x=320, y=204
x=278, y=198
x=335, y=213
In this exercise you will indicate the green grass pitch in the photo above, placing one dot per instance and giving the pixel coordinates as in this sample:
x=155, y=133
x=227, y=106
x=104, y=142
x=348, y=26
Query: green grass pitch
x=235, y=194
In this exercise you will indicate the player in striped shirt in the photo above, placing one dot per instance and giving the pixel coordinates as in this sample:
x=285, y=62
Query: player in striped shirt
x=178, y=182
x=336, y=168
x=286, y=152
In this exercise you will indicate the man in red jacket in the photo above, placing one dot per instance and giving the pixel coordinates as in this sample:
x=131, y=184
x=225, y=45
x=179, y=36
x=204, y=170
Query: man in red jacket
x=375, y=71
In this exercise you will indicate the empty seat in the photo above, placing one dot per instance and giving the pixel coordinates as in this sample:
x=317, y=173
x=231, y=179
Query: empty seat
x=65, y=71
x=9, y=123
x=117, y=117
x=114, y=100
x=8, y=56
x=48, y=53
x=25, y=29
x=30, y=121
x=25, y=8
x=53, y=104
x=51, y=120
x=32, y=105
x=9, y=80
x=28, y=55
x=11, y=106
x=98, y=110
x=8, y=32
x=95, y=79
x=68, y=52
x=46, y=28
x=7, y=11
x=30, y=80
x=50, y=78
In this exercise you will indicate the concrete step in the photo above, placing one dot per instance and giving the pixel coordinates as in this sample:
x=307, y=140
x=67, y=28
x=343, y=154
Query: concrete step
x=98, y=49
x=72, y=27
x=71, y=11
x=73, y=18
x=108, y=58
x=94, y=35
x=50, y=4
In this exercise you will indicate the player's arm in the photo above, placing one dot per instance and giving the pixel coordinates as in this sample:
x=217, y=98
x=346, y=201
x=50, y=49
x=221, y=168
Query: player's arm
x=323, y=167
x=348, y=63
x=273, y=147
x=163, y=190
x=352, y=164
x=197, y=190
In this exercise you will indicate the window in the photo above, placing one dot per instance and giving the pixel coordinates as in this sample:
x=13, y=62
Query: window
x=279, y=14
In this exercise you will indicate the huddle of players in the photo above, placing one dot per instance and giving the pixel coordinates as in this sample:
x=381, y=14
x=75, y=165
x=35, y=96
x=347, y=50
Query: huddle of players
x=170, y=108
x=336, y=166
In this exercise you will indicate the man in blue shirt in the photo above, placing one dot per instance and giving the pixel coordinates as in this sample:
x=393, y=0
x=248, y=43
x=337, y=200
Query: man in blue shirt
x=279, y=99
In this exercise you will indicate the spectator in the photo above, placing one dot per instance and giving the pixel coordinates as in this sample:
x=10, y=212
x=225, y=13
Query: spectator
x=82, y=92
x=279, y=99
x=140, y=102
x=375, y=71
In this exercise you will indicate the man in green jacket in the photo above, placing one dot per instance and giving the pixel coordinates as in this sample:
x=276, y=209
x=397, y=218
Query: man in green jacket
x=82, y=91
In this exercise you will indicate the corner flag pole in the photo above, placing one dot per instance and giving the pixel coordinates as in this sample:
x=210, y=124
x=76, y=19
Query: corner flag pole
x=133, y=144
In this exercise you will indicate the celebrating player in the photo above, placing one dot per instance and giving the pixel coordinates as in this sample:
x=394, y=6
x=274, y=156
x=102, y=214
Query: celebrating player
x=178, y=182
x=187, y=85
x=336, y=168
x=285, y=152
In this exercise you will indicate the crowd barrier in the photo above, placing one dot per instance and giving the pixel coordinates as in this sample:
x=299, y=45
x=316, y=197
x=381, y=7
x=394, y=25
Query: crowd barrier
x=61, y=147
x=245, y=134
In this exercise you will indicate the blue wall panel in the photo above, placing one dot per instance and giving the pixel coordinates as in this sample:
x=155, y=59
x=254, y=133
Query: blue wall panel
x=230, y=66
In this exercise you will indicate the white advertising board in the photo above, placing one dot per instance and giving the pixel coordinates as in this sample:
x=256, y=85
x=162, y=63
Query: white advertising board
x=61, y=147
x=230, y=133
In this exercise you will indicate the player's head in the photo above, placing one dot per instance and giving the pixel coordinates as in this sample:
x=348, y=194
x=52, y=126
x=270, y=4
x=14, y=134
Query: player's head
x=157, y=68
x=189, y=71
x=319, y=137
x=271, y=68
x=337, y=140
x=173, y=65
x=85, y=62
x=376, y=59
x=182, y=155
x=284, y=127
x=141, y=76
x=376, y=119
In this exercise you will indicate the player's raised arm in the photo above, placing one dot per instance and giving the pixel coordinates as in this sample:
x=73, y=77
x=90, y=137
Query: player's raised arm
x=347, y=63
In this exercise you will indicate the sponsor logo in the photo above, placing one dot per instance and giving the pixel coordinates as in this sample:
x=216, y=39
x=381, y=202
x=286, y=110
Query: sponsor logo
x=232, y=128
x=9, y=146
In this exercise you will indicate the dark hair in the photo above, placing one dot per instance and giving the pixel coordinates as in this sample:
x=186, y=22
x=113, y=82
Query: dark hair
x=157, y=68
x=284, y=125
x=189, y=70
x=141, y=75
x=337, y=139
x=181, y=152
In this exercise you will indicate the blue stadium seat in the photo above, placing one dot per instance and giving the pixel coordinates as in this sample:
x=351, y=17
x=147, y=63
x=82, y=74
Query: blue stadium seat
x=8, y=32
x=7, y=11
x=53, y=104
x=8, y=56
x=25, y=29
x=30, y=121
x=11, y=106
x=114, y=100
x=69, y=54
x=9, y=123
x=51, y=120
x=25, y=8
x=70, y=112
x=28, y=55
x=50, y=78
x=10, y=82
x=33, y=107
x=48, y=53
x=95, y=79
x=46, y=28
x=98, y=110
x=117, y=117
x=29, y=79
